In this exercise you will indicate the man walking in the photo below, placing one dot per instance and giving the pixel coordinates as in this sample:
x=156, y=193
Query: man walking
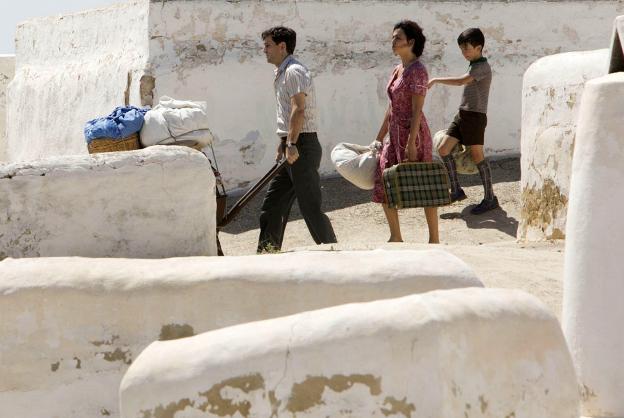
x=296, y=128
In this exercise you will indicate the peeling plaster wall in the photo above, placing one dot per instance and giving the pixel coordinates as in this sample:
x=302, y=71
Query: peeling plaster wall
x=7, y=71
x=444, y=354
x=71, y=69
x=72, y=326
x=551, y=98
x=153, y=203
x=211, y=50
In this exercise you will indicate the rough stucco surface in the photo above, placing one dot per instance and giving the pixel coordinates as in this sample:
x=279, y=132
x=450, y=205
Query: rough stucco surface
x=7, y=70
x=551, y=98
x=593, y=312
x=152, y=203
x=70, y=69
x=443, y=354
x=209, y=50
x=72, y=326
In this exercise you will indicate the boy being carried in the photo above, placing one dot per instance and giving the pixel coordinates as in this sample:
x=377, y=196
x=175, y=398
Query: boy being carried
x=468, y=126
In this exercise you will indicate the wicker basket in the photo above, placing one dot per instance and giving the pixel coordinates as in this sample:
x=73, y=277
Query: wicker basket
x=128, y=143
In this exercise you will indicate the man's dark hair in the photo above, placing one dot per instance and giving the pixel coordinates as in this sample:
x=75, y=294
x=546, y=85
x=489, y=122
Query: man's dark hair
x=282, y=34
x=472, y=36
x=415, y=32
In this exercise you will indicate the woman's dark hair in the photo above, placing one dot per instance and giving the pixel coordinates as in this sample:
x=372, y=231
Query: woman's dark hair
x=472, y=36
x=413, y=31
x=282, y=34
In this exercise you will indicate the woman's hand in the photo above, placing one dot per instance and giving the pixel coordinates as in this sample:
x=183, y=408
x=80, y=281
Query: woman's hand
x=412, y=151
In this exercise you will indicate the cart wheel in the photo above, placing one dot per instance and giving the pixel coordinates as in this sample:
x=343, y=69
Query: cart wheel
x=219, y=250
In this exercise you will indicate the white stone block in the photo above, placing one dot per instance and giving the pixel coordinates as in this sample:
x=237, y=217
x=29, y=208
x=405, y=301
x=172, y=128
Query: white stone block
x=7, y=71
x=443, y=354
x=551, y=97
x=151, y=203
x=70, y=326
x=593, y=312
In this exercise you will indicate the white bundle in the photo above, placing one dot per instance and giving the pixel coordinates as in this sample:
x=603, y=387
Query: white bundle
x=172, y=121
x=463, y=160
x=356, y=163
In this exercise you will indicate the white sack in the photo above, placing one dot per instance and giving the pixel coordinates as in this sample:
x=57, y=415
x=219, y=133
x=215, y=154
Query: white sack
x=172, y=120
x=356, y=163
x=461, y=153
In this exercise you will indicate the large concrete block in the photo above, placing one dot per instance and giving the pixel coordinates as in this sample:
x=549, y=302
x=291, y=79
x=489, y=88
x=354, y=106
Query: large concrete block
x=551, y=97
x=444, y=354
x=71, y=327
x=151, y=203
x=7, y=71
x=593, y=312
x=212, y=51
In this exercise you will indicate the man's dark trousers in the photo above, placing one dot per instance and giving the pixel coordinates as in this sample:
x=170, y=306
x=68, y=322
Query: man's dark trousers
x=299, y=181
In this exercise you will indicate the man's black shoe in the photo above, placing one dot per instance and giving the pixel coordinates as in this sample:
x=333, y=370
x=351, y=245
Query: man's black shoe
x=485, y=206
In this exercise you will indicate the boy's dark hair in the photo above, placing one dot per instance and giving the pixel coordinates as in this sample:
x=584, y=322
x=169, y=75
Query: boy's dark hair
x=282, y=34
x=472, y=36
x=415, y=32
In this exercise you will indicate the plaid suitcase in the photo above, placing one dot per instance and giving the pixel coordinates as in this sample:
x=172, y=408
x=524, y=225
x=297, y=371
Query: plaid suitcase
x=416, y=185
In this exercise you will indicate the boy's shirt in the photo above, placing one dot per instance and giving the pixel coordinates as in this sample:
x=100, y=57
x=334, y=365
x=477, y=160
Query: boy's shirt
x=475, y=96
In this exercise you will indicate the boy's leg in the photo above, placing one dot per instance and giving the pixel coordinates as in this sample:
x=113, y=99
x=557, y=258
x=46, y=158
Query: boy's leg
x=489, y=201
x=447, y=145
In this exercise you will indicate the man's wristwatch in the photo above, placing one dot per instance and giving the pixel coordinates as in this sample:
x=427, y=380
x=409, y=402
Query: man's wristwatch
x=290, y=144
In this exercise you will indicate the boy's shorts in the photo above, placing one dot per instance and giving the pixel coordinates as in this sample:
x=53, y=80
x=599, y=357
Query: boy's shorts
x=468, y=127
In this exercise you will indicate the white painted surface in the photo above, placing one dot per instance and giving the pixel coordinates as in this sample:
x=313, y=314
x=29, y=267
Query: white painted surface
x=71, y=69
x=347, y=47
x=593, y=312
x=71, y=326
x=551, y=97
x=208, y=50
x=7, y=70
x=443, y=354
x=152, y=203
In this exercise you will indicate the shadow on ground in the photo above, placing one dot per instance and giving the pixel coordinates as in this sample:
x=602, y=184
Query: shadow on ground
x=494, y=219
x=339, y=194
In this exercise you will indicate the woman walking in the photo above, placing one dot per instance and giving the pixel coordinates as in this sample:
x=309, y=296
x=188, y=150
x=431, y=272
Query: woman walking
x=410, y=138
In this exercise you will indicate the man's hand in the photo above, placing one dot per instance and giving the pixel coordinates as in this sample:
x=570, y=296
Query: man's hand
x=292, y=154
x=280, y=152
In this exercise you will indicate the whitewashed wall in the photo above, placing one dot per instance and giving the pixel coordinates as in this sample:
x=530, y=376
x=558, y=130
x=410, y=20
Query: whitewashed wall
x=211, y=50
x=7, y=71
x=443, y=354
x=151, y=203
x=551, y=98
x=70, y=69
x=70, y=327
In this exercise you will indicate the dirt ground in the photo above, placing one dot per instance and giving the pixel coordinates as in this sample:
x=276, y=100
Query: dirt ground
x=485, y=242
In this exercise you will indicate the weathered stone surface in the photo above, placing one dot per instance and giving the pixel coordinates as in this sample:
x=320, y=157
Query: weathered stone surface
x=593, y=312
x=551, y=95
x=443, y=354
x=71, y=326
x=7, y=70
x=152, y=203
x=212, y=51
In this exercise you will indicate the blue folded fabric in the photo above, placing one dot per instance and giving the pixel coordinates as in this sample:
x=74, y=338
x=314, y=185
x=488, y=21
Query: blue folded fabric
x=123, y=122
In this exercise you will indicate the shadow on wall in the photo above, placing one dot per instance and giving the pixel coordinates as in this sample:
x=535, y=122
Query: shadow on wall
x=338, y=194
